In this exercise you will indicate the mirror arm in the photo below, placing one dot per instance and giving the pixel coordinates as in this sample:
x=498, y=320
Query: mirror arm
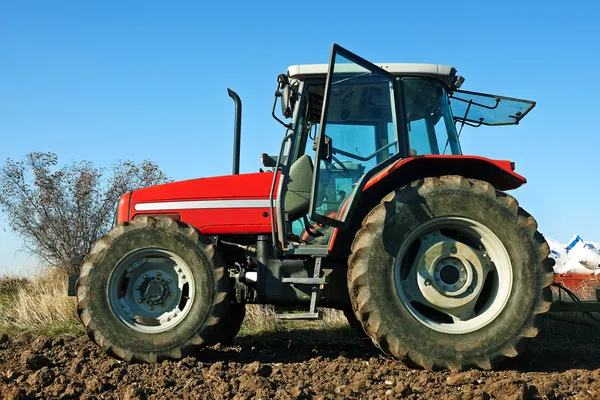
x=278, y=94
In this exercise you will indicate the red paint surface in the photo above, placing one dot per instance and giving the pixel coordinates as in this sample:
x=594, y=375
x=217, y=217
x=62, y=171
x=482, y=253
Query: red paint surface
x=123, y=208
x=584, y=286
x=255, y=186
x=500, y=171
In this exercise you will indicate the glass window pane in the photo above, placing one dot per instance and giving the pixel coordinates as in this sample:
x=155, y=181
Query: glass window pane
x=429, y=121
x=361, y=127
x=488, y=109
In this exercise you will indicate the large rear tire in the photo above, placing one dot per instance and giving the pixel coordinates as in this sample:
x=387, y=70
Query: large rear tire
x=450, y=273
x=354, y=323
x=152, y=289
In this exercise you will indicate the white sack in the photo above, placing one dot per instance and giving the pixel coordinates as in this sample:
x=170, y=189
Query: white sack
x=559, y=253
x=585, y=253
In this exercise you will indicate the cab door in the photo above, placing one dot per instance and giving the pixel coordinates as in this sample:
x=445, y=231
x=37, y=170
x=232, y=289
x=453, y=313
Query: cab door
x=358, y=135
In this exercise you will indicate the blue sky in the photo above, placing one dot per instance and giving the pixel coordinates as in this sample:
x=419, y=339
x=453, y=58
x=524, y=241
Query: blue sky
x=134, y=80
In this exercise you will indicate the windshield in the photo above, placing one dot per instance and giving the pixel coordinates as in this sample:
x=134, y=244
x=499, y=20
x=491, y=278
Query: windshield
x=486, y=109
x=428, y=117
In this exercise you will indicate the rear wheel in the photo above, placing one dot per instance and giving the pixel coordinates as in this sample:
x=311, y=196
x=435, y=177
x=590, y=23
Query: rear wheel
x=354, y=323
x=152, y=289
x=450, y=273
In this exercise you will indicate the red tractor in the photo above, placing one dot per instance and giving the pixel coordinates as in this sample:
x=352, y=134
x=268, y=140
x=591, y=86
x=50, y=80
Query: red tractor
x=369, y=207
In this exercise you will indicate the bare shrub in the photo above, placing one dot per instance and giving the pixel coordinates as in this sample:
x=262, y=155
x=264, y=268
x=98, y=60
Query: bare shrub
x=60, y=212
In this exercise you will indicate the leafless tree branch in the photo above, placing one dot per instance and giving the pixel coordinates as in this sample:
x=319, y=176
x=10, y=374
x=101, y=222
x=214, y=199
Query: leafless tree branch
x=60, y=212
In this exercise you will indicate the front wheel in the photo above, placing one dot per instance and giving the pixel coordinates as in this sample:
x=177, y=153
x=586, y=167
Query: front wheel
x=152, y=289
x=231, y=325
x=449, y=273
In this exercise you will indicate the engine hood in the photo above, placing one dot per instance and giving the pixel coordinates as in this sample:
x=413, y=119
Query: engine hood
x=223, y=204
x=230, y=187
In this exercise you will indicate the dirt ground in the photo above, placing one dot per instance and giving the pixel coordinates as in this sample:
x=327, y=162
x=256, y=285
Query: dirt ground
x=289, y=365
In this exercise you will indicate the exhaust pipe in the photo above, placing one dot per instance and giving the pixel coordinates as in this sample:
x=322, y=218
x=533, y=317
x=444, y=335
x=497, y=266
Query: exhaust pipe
x=237, y=130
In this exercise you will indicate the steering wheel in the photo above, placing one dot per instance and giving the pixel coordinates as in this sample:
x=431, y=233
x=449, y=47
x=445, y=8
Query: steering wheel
x=335, y=150
x=345, y=171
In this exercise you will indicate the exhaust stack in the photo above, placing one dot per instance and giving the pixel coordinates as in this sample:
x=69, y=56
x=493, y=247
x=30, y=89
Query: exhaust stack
x=237, y=130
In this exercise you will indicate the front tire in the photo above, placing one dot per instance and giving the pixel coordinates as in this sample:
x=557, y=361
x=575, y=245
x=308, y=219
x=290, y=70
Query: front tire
x=152, y=289
x=450, y=273
x=231, y=325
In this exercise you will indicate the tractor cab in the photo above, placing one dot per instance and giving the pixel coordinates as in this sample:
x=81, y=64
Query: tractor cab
x=349, y=121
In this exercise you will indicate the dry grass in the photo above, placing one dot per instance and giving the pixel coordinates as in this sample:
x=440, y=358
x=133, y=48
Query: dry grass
x=261, y=324
x=261, y=319
x=11, y=284
x=39, y=305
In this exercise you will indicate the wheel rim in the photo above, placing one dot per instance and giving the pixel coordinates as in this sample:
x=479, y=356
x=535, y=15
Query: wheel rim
x=453, y=274
x=151, y=290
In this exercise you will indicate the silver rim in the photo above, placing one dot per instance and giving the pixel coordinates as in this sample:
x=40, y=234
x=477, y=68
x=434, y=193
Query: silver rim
x=453, y=274
x=151, y=290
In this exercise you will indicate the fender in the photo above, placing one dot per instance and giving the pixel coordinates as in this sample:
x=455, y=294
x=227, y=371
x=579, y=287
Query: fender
x=499, y=173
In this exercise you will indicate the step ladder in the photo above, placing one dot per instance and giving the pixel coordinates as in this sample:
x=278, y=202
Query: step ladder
x=316, y=282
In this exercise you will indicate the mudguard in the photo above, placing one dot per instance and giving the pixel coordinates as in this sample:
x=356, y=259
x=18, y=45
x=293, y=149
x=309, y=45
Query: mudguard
x=500, y=173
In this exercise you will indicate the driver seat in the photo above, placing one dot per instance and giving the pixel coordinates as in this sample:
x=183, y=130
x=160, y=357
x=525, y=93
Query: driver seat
x=298, y=193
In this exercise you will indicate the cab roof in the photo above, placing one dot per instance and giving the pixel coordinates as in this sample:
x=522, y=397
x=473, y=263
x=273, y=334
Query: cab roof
x=442, y=72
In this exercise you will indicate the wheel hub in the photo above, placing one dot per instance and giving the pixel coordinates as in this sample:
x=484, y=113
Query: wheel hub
x=448, y=286
x=154, y=291
x=449, y=273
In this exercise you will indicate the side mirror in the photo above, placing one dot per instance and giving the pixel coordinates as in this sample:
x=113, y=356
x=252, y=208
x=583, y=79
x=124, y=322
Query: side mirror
x=288, y=100
x=286, y=108
x=287, y=95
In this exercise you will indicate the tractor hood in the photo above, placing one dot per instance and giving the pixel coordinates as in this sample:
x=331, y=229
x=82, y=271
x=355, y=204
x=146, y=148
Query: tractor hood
x=236, y=200
x=230, y=187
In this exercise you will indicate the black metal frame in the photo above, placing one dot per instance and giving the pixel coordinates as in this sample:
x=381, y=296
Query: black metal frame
x=397, y=114
x=277, y=211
